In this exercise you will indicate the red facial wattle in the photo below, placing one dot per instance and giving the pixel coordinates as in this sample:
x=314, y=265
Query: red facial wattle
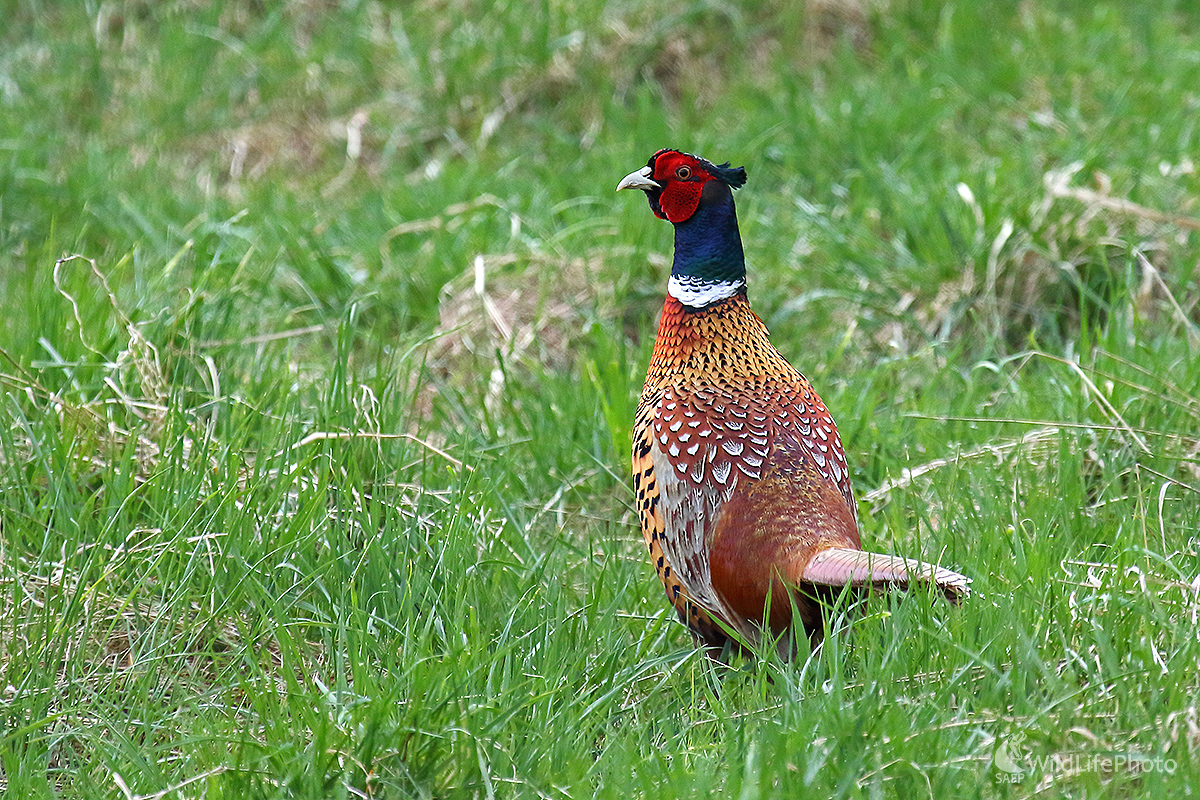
x=682, y=178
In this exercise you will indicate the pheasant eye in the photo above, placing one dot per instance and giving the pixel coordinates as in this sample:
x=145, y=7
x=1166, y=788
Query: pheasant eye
x=683, y=173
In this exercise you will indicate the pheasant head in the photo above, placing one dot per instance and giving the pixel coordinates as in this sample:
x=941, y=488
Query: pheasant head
x=696, y=196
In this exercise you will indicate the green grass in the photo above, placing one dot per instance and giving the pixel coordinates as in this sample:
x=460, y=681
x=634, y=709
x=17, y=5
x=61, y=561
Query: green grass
x=289, y=509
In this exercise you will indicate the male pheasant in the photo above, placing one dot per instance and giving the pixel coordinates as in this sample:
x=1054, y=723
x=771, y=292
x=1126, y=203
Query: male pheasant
x=742, y=485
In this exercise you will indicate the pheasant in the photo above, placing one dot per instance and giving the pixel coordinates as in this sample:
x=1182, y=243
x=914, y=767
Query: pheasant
x=741, y=481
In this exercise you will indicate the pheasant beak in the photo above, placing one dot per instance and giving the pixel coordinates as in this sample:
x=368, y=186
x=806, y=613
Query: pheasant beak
x=638, y=180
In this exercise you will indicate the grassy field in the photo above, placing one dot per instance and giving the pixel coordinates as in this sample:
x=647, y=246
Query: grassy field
x=321, y=332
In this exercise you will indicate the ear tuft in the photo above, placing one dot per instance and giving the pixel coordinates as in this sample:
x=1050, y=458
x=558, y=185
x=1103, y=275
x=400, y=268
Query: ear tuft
x=734, y=176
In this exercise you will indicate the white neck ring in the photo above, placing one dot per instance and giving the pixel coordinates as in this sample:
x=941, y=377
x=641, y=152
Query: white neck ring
x=698, y=293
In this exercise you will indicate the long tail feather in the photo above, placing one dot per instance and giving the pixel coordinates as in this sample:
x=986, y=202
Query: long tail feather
x=840, y=566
